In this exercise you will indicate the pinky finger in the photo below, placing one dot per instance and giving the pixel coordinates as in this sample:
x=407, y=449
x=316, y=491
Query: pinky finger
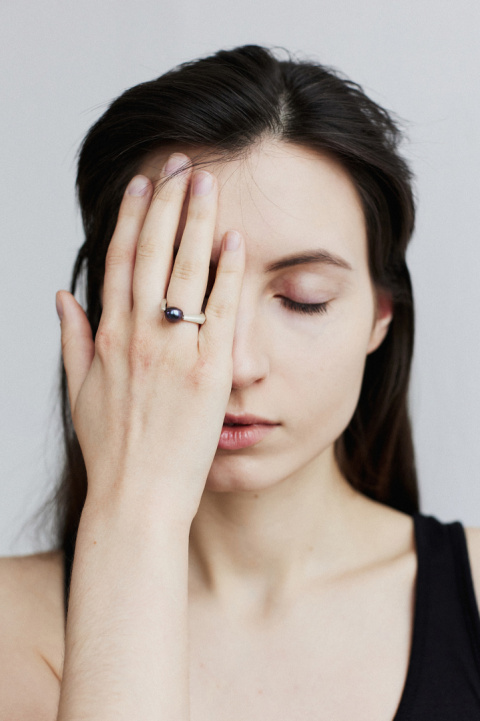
x=217, y=332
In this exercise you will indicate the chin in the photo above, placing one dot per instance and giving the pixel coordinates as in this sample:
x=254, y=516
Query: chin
x=231, y=482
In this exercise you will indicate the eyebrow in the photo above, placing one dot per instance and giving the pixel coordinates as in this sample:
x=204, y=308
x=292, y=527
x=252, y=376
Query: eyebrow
x=317, y=255
x=308, y=256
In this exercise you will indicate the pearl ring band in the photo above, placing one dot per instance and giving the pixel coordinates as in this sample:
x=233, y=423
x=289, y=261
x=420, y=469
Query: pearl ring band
x=174, y=315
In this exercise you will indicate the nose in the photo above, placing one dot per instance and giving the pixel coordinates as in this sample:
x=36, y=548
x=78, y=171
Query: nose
x=250, y=344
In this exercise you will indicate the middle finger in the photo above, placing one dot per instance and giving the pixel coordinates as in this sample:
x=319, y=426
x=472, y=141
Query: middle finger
x=153, y=260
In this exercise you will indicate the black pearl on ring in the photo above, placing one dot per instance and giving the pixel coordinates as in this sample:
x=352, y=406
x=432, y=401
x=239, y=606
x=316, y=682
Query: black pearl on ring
x=173, y=315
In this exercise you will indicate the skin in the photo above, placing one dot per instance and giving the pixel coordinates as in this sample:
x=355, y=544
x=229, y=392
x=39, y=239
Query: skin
x=300, y=597
x=278, y=513
x=299, y=588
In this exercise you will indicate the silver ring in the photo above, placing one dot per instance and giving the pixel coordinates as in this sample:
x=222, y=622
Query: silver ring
x=174, y=315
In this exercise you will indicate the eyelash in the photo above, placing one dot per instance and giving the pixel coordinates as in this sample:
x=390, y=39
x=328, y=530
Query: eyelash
x=304, y=308
x=308, y=308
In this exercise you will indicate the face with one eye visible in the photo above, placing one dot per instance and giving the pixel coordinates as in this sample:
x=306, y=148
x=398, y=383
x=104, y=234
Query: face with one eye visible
x=303, y=330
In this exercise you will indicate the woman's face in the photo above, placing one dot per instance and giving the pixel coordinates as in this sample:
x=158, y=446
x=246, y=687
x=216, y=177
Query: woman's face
x=300, y=370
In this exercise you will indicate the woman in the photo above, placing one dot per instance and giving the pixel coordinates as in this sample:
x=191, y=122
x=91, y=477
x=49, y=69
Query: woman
x=246, y=225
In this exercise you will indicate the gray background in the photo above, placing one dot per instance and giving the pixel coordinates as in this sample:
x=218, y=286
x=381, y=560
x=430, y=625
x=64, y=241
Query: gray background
x=63, y=62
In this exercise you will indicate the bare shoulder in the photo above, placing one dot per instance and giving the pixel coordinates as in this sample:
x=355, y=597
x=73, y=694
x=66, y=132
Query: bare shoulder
x=31, y=589
x=32, y=635
x=473, y=545
x=24, y=571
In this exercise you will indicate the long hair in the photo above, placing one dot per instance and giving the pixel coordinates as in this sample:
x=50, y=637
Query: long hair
x=227, y=102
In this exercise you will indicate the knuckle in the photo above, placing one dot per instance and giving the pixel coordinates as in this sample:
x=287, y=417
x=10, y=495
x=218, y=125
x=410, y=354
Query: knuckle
x=212, y=376
x=218, y=308
x=185, y=269
x=107, y=341
x=230, y=270
x=147, y=248
x=204, y=373
x=199, y=212
x=116, y=256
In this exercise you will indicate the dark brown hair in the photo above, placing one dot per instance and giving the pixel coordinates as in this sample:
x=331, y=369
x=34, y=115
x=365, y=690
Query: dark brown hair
x=226, y=103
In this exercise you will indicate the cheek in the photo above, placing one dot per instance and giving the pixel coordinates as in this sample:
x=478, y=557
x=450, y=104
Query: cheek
x=326, y=369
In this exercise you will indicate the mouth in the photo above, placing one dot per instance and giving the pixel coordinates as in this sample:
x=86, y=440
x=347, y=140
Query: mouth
x=235, y=436
x=245, y=425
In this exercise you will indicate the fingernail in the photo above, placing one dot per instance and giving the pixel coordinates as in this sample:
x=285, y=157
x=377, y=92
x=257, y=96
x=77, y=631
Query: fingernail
x=138, y=185
x=232, y=241
x=202, y=183
x=59, y=306
x=174, y=162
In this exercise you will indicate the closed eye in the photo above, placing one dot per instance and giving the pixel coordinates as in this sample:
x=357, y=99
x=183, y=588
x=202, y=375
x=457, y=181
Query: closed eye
x=308, y=308
x=304, y=308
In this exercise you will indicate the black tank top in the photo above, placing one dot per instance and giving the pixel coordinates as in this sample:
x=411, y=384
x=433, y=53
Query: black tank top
x=443, y=678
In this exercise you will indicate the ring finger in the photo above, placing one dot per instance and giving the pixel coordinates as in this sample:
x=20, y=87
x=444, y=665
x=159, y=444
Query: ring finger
x=187, y=284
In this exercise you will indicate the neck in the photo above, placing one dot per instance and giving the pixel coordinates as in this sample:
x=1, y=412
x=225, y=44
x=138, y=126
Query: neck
x=252, y=548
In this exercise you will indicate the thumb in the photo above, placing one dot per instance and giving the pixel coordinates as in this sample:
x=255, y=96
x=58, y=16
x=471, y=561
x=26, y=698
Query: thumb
x=78, y=347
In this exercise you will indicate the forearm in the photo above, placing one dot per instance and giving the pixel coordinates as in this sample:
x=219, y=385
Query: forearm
x=126, y=654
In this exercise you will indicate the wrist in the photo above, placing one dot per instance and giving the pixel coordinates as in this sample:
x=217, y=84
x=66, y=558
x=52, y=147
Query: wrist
x=134, y=517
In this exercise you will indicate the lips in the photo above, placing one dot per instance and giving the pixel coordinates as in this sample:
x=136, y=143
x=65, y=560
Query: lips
x=237, y=437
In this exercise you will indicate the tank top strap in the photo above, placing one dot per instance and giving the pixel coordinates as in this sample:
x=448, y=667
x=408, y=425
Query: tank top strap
x=449, y=593
x=465, y=587
x=443, y=681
